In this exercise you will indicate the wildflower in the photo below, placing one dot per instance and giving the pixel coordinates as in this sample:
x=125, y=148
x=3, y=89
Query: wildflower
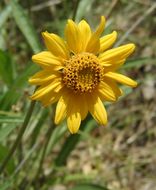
x=80, y=73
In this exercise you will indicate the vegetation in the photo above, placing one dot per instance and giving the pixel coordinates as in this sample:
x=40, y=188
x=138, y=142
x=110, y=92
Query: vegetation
x=120, y=156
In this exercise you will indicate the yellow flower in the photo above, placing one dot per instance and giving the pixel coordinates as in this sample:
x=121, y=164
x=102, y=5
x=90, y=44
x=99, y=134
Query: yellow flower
x=80, y=72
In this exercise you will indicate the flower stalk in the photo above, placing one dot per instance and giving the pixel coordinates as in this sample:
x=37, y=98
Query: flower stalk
x=48, y=136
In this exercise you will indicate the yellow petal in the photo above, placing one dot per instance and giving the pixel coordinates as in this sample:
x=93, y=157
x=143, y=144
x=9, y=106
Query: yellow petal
x=73, y=117
x=112, y=65
x=113, y=85
x=93, y=45
x=121, y=79
x=50, y=98
x=46, y=60
x=97, y=110
x=73, y=122
x=118, y=53
x=43, y=76
x=83, y=107
x=61, y=109
x=73, y=37
x=107, y=41
x=81, y=104
x=101, y=26
x=55, y=44
x=74, y=112
x=106, y=92
x=44, y=89
x=85, y=33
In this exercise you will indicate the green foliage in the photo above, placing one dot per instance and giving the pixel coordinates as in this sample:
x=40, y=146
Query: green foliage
x=12, y=94
x=25, y=25
x=6, y=68
x=84, y=6
x=136, y=63
x=11, y=164
x=88, y=187
x=6, y=185
x=4, y=15
x=5, y=131
x=68, y=147
x=8, y=122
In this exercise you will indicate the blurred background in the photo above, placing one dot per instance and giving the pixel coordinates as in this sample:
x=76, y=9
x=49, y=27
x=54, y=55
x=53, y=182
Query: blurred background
x=121, y=156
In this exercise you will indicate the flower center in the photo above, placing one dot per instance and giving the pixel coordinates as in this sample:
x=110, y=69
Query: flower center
x=82, y=72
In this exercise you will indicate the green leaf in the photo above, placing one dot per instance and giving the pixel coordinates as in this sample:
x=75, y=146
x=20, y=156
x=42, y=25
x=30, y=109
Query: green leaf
x=25, y=25
x=3, y=153
x=12, y=95
x=88, y=187
x=9, y=98
x=6, y=119
x=70, y=144
x=66, y=149
x=2, y=40
x=58, y=134
x=38, y=126
x=84, y=6
x=6, y=68
x=137, y=63
x=5, y=131
x=6, y=185
x=4, y=15
x=127, y=90
x=22, y=80
x=75, y=177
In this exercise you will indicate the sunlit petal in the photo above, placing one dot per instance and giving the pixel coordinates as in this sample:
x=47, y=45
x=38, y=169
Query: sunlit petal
x=118, y=53
x=55, y=45
x=107, y=41
x=121, y=79
x=47, y=60
x=93, y=45
x=85, y=32
x=61, y=109
x=73, y=37
x=97, y=110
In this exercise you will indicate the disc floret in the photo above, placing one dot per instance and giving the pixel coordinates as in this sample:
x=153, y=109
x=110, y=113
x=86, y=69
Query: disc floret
x=82, y=72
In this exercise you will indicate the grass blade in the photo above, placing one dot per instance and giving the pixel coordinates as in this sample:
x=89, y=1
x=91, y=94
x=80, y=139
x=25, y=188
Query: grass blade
x=69, y=145
x=138, y=63
x=25, y=25
x=6, y=68
x=4, y=15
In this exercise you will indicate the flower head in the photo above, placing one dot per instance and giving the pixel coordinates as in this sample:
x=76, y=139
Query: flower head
x=79, y=73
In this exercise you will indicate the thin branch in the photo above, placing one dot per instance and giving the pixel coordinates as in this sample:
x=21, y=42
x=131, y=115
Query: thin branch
x=45, y=5
x=149, y=11
x=112, y=7
x=48, y=136
x=25, y=159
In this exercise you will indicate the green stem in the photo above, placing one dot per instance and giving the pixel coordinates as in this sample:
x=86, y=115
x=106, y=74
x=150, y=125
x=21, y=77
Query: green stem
x=48, y=135
x=75, y=9
x=18, y=139
x=38, y=127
